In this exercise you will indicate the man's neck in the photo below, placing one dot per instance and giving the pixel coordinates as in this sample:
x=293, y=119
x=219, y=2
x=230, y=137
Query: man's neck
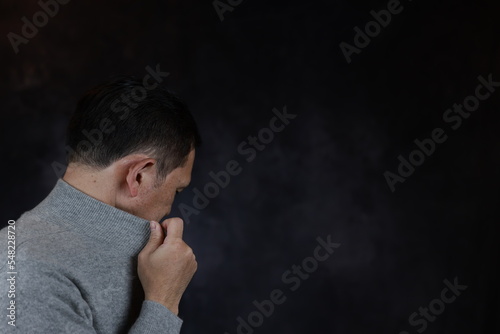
x=94, y=183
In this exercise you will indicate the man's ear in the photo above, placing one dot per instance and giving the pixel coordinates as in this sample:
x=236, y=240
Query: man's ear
x=140, y=173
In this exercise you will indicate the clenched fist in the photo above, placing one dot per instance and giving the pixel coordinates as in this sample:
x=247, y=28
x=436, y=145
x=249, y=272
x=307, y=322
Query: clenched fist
x=166, y=264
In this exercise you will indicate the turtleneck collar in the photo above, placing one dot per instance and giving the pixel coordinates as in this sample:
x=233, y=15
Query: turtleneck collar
x=67, y=206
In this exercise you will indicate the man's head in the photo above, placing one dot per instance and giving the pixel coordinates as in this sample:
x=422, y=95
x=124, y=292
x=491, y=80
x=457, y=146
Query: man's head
x=132, y=147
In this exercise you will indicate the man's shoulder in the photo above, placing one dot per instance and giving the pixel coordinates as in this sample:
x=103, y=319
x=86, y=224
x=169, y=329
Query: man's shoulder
x=37, y=238
x=31, y=227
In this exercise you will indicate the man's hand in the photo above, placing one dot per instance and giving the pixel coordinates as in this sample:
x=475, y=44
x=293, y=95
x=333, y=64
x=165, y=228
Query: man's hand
x=166, y=265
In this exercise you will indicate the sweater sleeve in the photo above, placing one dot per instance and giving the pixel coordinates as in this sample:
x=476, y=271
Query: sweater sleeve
x=156, y=318
x=47, y=301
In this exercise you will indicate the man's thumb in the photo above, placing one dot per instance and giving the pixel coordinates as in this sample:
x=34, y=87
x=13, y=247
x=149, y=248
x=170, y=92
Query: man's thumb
x=155, y=239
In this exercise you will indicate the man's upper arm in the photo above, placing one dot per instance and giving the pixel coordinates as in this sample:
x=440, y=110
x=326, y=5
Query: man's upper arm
x=46, y=302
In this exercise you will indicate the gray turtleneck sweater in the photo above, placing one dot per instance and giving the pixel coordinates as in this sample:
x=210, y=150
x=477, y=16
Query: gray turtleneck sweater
x=76, y=270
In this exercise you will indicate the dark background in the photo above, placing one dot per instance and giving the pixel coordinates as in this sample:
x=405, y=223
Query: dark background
x=323, y=175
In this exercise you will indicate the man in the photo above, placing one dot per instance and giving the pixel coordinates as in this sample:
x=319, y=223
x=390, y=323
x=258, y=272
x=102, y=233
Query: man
x=92, y=257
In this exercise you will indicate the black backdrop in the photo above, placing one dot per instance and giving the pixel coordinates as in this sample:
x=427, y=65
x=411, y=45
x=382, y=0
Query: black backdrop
x=322, y=175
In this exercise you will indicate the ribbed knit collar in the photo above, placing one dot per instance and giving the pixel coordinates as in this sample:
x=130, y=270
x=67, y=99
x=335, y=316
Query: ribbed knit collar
x=65, y=205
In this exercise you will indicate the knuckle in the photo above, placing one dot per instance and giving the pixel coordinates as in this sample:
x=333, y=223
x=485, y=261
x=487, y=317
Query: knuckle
x=176, y=220
x=178, y=244
x=142, y=255
x=189, y=253
x=177, y=241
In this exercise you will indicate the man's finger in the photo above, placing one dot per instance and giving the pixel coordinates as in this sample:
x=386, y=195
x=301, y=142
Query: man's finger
x=155, y=238
x=165, y=223
x=175, y=228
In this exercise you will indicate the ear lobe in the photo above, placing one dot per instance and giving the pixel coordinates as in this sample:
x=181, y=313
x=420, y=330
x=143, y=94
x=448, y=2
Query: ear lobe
x=133, y=181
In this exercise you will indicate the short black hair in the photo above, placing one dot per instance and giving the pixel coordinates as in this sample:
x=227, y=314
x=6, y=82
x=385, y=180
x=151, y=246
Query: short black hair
x=121, y=117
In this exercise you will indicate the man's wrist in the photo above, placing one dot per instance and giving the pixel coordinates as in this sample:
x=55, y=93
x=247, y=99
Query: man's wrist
x=173, y=307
